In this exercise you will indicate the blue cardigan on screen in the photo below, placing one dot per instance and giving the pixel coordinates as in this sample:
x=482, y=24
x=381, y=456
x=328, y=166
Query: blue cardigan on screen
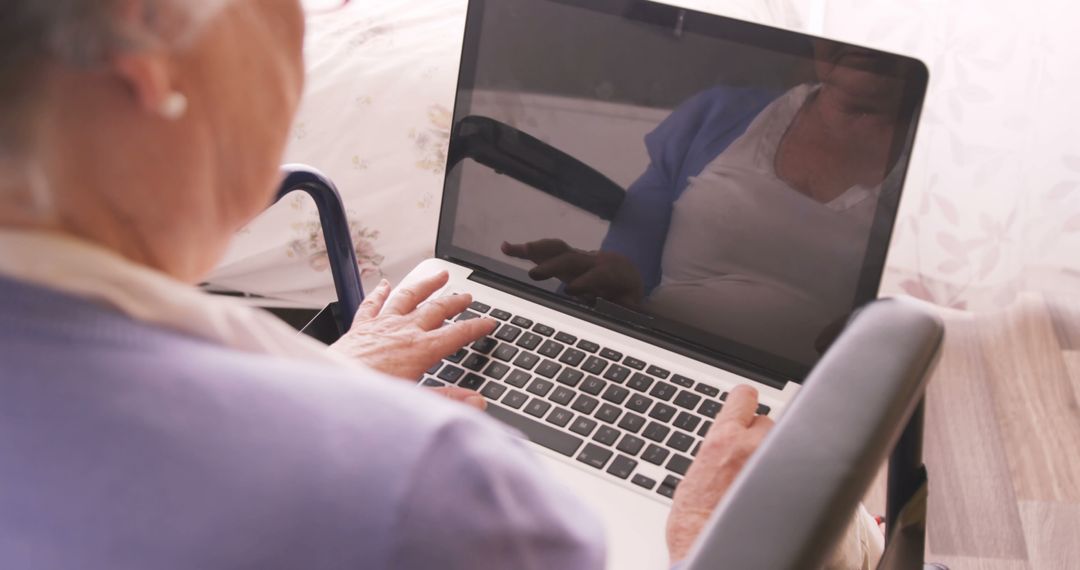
x=680, y=148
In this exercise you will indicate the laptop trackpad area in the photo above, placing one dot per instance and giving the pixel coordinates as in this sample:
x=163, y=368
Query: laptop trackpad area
x=634, y=525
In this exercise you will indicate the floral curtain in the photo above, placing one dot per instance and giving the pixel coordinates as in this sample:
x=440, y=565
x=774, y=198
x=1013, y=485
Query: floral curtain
x=992, y=201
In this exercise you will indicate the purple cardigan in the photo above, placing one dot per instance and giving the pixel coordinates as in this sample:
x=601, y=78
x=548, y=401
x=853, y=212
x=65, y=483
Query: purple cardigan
x=124, y=446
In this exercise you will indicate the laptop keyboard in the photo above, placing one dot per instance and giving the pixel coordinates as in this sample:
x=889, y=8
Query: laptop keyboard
x=610, y=411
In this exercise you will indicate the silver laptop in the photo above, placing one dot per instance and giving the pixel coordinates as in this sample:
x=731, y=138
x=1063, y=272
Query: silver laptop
x=658, y=204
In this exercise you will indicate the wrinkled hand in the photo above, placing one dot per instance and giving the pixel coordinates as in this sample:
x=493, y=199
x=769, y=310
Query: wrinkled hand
x=590, y=275
x=727, y=447
x=405, y=336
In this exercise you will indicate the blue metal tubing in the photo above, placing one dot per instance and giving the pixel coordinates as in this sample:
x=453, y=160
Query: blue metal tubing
x=335, y=225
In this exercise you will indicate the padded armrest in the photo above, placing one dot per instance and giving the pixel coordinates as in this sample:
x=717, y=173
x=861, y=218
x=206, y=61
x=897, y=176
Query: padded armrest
x=795, y=498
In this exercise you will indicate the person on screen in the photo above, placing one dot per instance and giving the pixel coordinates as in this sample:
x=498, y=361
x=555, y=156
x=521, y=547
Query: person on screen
x=753, y=217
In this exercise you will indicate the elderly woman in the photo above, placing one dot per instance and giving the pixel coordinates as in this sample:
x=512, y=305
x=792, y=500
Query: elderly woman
x=145, y=425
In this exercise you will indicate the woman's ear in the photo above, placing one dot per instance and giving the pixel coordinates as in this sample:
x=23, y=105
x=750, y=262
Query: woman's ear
x=149, y=78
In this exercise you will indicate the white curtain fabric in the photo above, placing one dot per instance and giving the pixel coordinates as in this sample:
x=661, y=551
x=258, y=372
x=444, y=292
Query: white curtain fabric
x=992, y=202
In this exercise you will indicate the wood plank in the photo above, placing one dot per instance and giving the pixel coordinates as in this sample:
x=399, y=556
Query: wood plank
x=1036, y=405
x=972, y=511
x=1052, y=531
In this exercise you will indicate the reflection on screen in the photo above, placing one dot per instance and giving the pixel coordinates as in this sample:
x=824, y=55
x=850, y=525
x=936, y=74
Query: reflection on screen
x=732, y=185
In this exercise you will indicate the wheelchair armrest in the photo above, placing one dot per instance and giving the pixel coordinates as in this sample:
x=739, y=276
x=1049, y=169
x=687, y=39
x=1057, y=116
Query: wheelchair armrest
x=532, y=162
x=795, y=498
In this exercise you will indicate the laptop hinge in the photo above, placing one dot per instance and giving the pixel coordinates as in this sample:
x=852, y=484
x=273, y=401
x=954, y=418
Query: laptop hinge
x=735, y=366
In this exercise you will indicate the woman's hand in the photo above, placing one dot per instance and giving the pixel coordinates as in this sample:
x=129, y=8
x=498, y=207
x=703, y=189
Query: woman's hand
x=727, y=447
x=590, y=275
x=406, y=336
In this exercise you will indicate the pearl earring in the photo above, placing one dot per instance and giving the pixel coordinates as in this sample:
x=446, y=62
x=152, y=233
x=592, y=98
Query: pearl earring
x=174, y=106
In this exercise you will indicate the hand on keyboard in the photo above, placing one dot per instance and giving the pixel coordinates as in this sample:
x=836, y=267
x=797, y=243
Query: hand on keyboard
x=727, y=447
x=403, y=336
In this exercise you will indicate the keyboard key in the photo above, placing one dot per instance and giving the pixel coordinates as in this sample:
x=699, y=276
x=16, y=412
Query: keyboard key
x=595, y=456
x=686, y=421
x=493, y=390
x=496, y=370
x=530, y=341
x=451, y=374
x=634, y=363
x=583, y=426
x=709, y=408
x=485, y=344
x=622, y=467
x=585, y=404
x=631, y=445
x=655, y=454
x=723, y=397
x=540, y=387
x=707, y=390
x=607, y=435
x=570, y=377
x=500, y=314
x=680, y=441
x=617, y=373
x=548, y=369
x=515, y=399
x=565, y=338
x=631, y=422
x=679, y=464
x=611, y=354
x=526, y=360
x=688, y=400
x=704, y=429
x=467, y=316
x=521, y=322
x=587, y=346
x=458, y=356
x=572, y=357
x=537, y=407
x=639, y=403
x=616, y=394
x=544, y=435
x=543, y=330
x=639, y=382
x=697, y=448
x=666, y=491
x=433, y=383
x=472, y=381
x=475, y=362
x=682, y=381
x=479, y=307
x=763, y=410
x=562, y=395
x=560, y=417
x=517, y=379
x=663, y=391
x=643, y=482
x=434, y=368
x=608, y=413
x=508, y=333
x=662, y=412
x=505, y=352
x=594, y=365
x=593, y=385
x=551, y=349
x=671, y=481
x=656, y=432
x=658, y=372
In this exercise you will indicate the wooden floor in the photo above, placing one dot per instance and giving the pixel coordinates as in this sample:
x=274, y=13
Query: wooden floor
x=1003, y=440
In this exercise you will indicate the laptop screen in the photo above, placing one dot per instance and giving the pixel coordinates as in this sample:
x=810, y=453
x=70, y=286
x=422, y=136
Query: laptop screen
x=709, y=182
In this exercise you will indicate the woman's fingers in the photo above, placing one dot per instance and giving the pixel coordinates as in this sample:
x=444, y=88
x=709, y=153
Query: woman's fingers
x=449, y=339
x=565, y=267
x=373, y=302
x=432, y=314
x=740, y=408
x=536, y=251
x=467, y=397
x=406, y=299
